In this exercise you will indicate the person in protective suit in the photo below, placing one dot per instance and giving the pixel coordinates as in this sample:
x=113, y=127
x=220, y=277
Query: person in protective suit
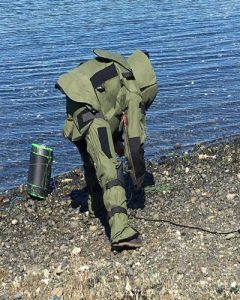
x=106, y=97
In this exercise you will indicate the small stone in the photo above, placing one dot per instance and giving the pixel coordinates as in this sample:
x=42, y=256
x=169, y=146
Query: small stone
x=17, y=296
x=67, y=180
x=2, y=197
x=14, y=221
x=21, y=188
x=74, y=224
x=193, y=199
x=233, y=287
x=203, y=283
x=220, y=289
x=69, y=202
x=38, y=291
x=76, y=251
x=59, y=270
x=230, y=236
x=231, y=196
x=33, y=269
x=46, y=273
x=63, y=248
x=83, y=268
x=204, y=271
x=202, y=156
x=58, y=292
x=187, y=169
x=92, y=228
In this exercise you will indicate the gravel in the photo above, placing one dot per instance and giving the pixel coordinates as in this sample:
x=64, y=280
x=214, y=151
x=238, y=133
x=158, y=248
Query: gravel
x=188, y=215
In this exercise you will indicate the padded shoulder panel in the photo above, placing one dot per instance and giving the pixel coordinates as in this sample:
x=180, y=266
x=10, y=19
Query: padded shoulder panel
x=78, y=87
x=118, y=58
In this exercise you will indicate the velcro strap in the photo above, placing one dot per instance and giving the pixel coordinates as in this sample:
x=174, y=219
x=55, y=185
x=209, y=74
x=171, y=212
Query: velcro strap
x=89, y=116
x=112, y=183
x=116, y=210
x=128, y=75
x=103, y=75
x=86, y=116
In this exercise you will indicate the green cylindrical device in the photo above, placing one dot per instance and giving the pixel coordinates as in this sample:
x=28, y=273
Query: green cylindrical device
x=39, y=173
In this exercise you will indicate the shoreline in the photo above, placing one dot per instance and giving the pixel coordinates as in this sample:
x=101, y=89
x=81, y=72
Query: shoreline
x=189, y=221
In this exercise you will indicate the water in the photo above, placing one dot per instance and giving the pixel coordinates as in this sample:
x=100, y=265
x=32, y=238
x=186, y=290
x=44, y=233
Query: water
x=194, y=47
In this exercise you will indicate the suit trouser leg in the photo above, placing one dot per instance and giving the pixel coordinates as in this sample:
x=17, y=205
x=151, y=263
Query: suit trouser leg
x=99, y=146
x=95, y=199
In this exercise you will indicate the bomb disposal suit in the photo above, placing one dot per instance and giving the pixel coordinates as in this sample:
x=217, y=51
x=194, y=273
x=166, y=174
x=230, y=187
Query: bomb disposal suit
x=105, y=97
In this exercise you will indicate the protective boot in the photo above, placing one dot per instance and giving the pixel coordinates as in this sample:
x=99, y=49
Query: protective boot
x=127, y=244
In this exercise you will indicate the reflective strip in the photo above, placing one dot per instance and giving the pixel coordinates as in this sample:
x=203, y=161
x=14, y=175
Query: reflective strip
x=116, y=210
x=103, y=75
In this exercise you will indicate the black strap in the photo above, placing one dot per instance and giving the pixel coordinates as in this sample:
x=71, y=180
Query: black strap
x=116, y=210
x=128, y=75
x=103, y=75
x=103, y=139
x=143, y=108
x=86, y=116
x=112, y=183
x=89, y=116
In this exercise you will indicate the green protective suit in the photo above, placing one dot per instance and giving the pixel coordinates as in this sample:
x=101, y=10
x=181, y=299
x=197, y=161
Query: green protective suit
x=99, y=92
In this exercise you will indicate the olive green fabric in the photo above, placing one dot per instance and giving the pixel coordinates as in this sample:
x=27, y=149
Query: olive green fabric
x=78, y=87
x=120, y=59
x=120, y=95
x=117, y=96
x=106, y=170
x=71, y=129
x=144, y=75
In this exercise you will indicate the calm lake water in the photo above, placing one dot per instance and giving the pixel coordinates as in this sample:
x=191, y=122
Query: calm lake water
x=195, y=50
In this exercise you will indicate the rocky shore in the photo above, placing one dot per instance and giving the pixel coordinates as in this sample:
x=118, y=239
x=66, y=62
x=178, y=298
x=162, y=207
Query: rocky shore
x=188, y=216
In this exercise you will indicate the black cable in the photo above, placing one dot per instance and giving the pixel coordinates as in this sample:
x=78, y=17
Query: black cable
x=186, y=226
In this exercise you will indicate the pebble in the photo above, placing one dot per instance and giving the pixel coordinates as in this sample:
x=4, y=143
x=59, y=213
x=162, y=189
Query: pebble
x=92, y=228
x=203, y=283
x=21, y=188
x=2, y=197
x=76, y=251
x=58, y=292
x=220, y=289
x=59, y=270
x=230, y=236
x=182, y=260
x=14, y=222
x=18, y=296
x=204, y=271
x=46, y=273
x=231, y=196
x=67, y=180
x=74, y=224
x=233, y=287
